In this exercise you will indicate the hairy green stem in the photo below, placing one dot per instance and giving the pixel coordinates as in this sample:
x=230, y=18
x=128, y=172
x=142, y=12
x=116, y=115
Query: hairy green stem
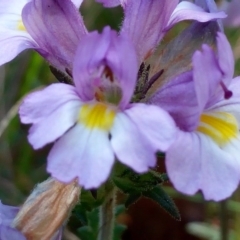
x=224, y=220
x=107, y=216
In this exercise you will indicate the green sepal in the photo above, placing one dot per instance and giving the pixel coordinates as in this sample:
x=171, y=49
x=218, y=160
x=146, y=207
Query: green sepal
x=160, y=196
x=132, y=183
x=90, y=231
x=88, y=202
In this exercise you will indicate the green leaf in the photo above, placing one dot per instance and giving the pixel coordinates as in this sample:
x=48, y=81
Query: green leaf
x=118, y=231
x=85, y=233
x=88, y=202
x=132, y=183
x=90, y=232
x=132, y=198
x=158, y=195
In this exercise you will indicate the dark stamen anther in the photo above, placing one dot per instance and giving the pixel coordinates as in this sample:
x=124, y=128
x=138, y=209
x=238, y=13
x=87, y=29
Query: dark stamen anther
x=141, y=69
x=108, y=73
x=147, y=74
x=155, y=77
x=227, y=93
x=61, y=76
x=152, y=80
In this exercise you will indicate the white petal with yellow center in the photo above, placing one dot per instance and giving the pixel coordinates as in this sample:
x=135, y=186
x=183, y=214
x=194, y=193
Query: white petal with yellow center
x=98, y=115
x=221, y=127
x=20, y=26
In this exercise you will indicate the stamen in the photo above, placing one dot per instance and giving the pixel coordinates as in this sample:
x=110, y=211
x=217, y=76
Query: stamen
x=227, y=93
x=144, y=84
x=108, y=73
x=61, y=76
x=152, y=80
x=141, y=69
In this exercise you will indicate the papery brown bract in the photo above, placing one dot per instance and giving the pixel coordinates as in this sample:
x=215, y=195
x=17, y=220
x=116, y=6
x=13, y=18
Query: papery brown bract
x=47, y=209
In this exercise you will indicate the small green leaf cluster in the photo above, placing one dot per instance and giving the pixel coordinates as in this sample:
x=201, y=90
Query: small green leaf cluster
x=147, y=185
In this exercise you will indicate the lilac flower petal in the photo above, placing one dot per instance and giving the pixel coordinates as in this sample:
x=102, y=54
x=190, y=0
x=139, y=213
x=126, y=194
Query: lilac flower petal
x=231, y=105
x=77, y=3
x=54, y=125
x=124, y=69
x=194, y=162
x=178, y=98
x=189, y=11
x=10, y=14
x=233, y=149
x=225, y=58
x=206, y=75
x=82, y=153
x=111, y=50
x=13, y=7
x=130, y=145
x=110, y=3
x=208, y=5
x=88, y=59
x=232, y=10
x=7, y=233
x=154, y=123
x=7, y=213
x=211, y=7
x=57, y=27
x=12, y=43
x=58, y=235
x=144, y=23
x=38, y=105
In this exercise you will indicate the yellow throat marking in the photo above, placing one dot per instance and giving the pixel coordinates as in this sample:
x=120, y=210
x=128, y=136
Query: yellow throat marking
x=222, y=127
x=97, y=116
x=20, y=26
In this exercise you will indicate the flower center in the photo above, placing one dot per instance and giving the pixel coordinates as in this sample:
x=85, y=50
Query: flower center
x=97, y=115
x=108, y=90
x=222, y=127
x=20, y=26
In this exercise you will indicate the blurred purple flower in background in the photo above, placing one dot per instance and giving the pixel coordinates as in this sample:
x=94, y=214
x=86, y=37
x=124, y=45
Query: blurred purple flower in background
x=232, y=8
x=7, y=214
x=7, y=231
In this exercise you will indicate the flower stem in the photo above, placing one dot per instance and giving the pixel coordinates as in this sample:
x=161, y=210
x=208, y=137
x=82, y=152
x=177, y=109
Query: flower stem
x=224, y=220
x=107, y=216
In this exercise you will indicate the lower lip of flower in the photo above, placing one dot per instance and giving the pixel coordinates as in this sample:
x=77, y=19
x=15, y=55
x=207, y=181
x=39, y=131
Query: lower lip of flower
x=97, y=115
x=20, y=26
x=222, y=127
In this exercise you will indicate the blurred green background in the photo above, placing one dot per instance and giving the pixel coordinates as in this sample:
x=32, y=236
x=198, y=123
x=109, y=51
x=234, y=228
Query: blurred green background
x=21, y=168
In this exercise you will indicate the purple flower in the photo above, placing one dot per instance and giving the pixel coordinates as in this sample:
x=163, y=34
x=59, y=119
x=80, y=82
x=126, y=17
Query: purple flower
x=205, y=105
x=232, y=10
x=93, y=122
x=7, y=231
x=147, y=21
x=35, y=24
x=7, y=214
